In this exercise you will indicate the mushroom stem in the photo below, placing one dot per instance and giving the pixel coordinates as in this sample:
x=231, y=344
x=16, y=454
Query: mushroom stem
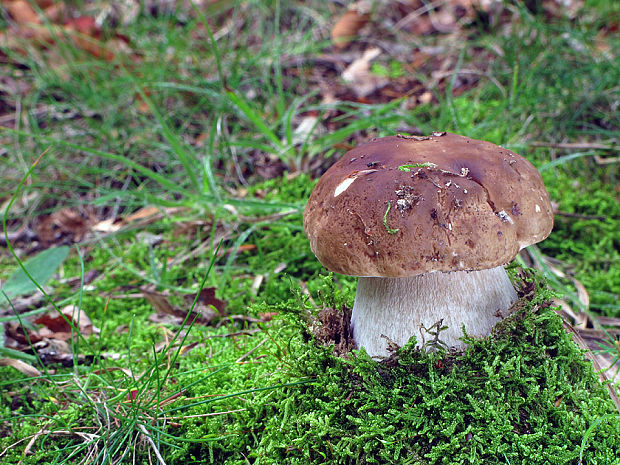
x=398, y=307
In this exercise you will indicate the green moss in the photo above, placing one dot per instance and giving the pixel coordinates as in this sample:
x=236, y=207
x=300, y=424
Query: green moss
x=526, y=396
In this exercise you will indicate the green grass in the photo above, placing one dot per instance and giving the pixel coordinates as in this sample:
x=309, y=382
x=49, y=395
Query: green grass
x=183, y=122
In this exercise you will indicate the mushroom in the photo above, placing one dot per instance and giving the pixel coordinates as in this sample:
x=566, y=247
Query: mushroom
x=427, y=224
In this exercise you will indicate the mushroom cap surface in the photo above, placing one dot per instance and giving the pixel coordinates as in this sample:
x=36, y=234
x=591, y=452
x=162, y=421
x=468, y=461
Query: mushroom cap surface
x=403, y=205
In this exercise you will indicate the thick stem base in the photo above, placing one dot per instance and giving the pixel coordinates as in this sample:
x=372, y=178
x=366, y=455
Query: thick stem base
x=399, y=308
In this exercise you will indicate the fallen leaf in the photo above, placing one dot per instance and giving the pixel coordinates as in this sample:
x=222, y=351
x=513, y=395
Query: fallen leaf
x=279, y=268
x=82, y=32
x=60, y=324
x=107, y=226
x=51, y=352
x=582, y=293
x=54, y=12
x=62, y=224
x=308, y=126
x=87, y=36
x=21, y=366
x=258, y=280
x=142, y=213
x=20, y=304
x=241, y=248
x=358, y=76
x=161, y=303
x=16, y=338
x=43, y=4
x=267, y=316
x=22, y=12
x=581, y=320
x=207, y=308
x=350, y=23
x=426, y=97
x=421, y=26
x=84, y=25
x=207, y=297
x=165, y=319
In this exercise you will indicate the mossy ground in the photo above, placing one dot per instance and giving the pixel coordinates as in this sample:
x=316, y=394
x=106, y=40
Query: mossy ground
x=526, y=395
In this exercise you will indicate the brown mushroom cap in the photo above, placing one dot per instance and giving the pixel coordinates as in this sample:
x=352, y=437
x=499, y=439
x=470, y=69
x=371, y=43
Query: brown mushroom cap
x=402, y=206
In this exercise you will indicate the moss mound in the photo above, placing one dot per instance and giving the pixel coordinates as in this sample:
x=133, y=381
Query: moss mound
x=526, y=395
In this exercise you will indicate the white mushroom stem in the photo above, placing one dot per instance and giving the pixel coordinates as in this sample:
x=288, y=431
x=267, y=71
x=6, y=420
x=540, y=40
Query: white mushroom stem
x=399, y=308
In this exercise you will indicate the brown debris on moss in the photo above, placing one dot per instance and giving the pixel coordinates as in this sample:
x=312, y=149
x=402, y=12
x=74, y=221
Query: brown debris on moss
x=334, y=327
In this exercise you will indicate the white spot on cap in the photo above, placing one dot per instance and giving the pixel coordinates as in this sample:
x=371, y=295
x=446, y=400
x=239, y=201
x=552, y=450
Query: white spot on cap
x=538, y=208
x=343, y=186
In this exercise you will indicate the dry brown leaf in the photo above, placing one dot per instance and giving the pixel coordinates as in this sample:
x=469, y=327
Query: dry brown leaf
x=84, y=25
x=241, y=248
x=268, y=316
x=57, y=351
x=107, y=226
x=60, y=325
x=207, y=298
x=55, y=12
x=186, y=348
x=605, y=160
x=21, y=366
x=22, y=12
x=580, y=319
x=421, y=26
x=20, y=304
x=350, y=23
x=71, y=221
x=165, y=319
x=82, y=32
x=582, y=293
x=256, y=283
x=87, y=36
x=57, y=226
x=207, y=307
x=14, y=337
x=308, y=126
x=359, y=78
x=426, y=97
x=142, y=213
x=609, y=321
x=161, y=303
x=445, y=20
